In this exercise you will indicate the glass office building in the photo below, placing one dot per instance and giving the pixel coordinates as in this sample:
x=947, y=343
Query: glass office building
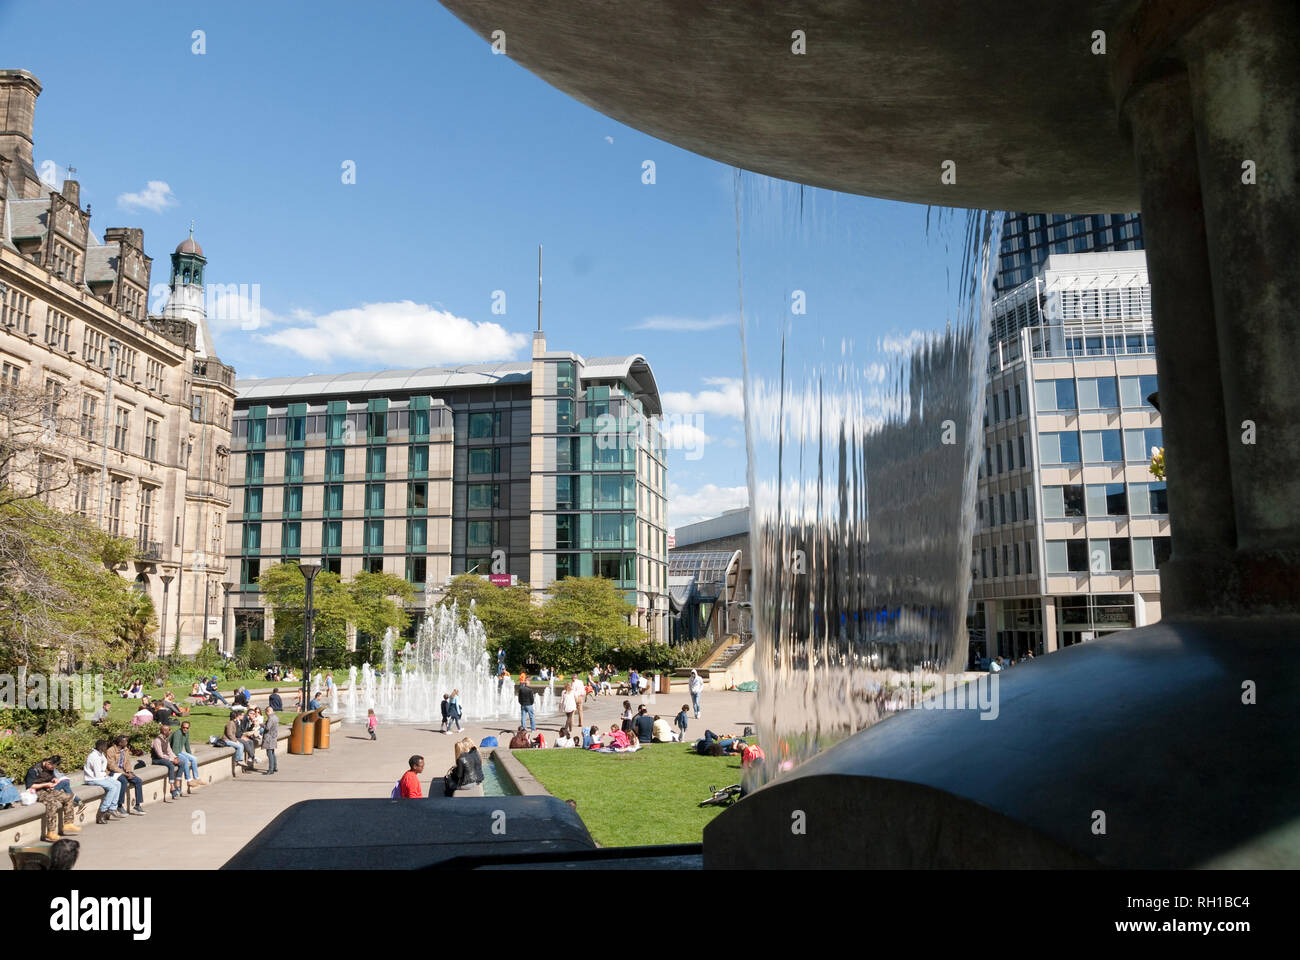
x=530, y=471
x=1028, y=239
x=1071, y=525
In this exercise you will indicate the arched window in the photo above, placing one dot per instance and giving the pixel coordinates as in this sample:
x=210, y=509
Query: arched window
x=141, y=583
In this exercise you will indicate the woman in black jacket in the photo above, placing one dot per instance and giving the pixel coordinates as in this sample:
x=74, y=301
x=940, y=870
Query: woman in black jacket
x=468, y=769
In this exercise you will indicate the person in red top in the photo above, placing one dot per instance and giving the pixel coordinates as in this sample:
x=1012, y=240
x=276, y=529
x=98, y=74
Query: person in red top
x=408, y=788
x=750, y=754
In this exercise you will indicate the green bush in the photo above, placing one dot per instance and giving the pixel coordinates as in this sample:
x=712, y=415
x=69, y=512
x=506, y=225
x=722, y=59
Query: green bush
x=258, y=655
x=19, y=752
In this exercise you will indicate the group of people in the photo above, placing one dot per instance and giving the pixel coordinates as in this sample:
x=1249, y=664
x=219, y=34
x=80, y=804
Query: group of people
x=246, y=730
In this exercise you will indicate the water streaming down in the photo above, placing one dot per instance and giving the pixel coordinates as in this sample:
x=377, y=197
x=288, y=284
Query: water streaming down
x=445, y=656
x=861, y=466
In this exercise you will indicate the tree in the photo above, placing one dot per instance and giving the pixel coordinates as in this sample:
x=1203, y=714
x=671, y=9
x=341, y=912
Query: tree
x=61, y=601
x=375, y=607
x=333, y=608
x=584, y=618
x=508, y=614
x=138, y=626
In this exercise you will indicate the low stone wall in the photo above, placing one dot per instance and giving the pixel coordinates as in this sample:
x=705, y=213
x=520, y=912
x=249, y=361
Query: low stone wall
x=524, y=782
x=21, y=824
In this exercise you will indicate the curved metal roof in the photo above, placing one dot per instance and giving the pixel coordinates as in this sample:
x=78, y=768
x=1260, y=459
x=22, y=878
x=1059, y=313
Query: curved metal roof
x=634, y=370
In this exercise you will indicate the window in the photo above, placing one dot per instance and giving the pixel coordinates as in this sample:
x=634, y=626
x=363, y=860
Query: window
x=296, y=426
x=416, y=571
x=487, y=496
x=1011, y=503
x=56, y=329
x=252, y=502
x=377, y=463
x=416, y=535
x=1139, y=443
x=485, y=460
x=377, y=426
x=374, y=498
x=93, y=344
x=293, y=460
x=150, y=439
x=1067, y=556
x=1135, y=390
x=1019, y=410
x=1102, y=446
x=291, y=538
x=1149, y=498
x=481, y=533
x=196, y=408
x=293, y=501
x=221, y=466
x=336, y=428
x=334, y=464
x=419, y=423
x=16, y=312
x=85, y=484
x=1107, y=500
x=1024, y=503
x=121, y=428
x=1020, y=441
x=257, y=428
x=126, y=358
x=485, y=425
x=417, y=496
x=88, y=405
x=333, y=499
x=563, y=416
x=565, y=375
x=9, y=376
x=1054, y=395
x=1058, y=448
x=418, y=464
x=374, y=533
x=153, y=376
x=252, y=537
x=1098, y=393
x=998, y=450
x=116, y=490
x=332, y=536
x=249, y=571
x=372, y=564
x=145, y=522
x=1108, y=556
x=1002, y=508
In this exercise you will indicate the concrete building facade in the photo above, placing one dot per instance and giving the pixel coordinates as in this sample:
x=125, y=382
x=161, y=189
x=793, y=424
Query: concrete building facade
x=1071, y=525
x=527, y=471
x=135, y=408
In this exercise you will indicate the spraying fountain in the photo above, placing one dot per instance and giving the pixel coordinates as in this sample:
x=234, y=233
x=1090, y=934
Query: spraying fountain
x=444, y=657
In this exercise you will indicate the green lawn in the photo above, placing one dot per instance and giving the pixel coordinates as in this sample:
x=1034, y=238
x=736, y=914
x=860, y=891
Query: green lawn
x=651, y=796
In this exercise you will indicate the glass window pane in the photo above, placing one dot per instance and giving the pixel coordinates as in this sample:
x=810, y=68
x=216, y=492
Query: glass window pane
x=1057, y=556
x=1049, y=445
x=1107, y=393
x=1135, y=445
x=1144, y=557
x=1077, y=551
x=1130, y=390
x=1099, y=556
x=1070, y=446
x=1045, y=395
x=1088, y=394
x=1120, y=555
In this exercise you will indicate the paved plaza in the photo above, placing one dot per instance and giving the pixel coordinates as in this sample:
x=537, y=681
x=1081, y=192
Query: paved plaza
x=204, y=830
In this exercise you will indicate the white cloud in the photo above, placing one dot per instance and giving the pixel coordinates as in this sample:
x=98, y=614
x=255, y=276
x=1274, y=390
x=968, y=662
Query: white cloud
x=398, y=334
x=904, y=344
x=727, y=400
x=609, y=139
x=156, y=196
x=705, y=502
x=685, y=323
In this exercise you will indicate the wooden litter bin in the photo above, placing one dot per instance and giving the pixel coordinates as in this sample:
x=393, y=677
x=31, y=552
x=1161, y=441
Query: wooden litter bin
x=322, y=731
x=301, y=734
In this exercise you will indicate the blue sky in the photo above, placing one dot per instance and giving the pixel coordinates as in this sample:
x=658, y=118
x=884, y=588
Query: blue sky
x=464, y=162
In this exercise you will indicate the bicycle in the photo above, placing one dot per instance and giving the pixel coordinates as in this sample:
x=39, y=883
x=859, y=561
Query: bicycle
x=722, y=798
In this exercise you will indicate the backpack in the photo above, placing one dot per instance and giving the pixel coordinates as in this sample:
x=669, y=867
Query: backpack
x=397, y=791
x=489, y=742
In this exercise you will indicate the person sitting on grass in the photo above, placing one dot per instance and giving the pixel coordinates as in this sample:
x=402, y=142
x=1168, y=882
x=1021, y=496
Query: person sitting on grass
x=101, y=714
x=214, y=693
x=197, y=692
x=134, y=691
x=618, y=738
x=564, y=740
x=143, y=715
x=520, y=740
x=540, y=742
x=643, y=724
x=591, y=737
x=661, y=731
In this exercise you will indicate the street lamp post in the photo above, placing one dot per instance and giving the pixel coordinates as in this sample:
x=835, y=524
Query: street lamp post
x=309, y=571
x=228, y=642
x=207, y=596
x=166, y=579
x=113, y=347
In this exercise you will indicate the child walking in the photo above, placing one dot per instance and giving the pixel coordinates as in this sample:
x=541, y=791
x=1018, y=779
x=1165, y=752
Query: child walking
x=372, y=722
x=681, y=722
x=446, y=711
